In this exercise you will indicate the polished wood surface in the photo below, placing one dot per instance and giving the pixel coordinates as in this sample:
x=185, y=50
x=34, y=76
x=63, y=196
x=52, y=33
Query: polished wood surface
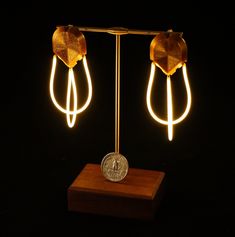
x=137, y=196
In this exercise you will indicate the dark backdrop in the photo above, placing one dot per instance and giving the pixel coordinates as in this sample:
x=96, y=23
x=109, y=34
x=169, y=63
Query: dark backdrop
x=41, y=156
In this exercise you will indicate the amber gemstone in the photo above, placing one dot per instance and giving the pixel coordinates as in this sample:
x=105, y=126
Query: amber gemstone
x=69, y=44
x=169, y=51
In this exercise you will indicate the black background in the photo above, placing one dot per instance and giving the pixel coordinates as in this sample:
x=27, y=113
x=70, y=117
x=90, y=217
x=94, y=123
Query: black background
x=41, y=156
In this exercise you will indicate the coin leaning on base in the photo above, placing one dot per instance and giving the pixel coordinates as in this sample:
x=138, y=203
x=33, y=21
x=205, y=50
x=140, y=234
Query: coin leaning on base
x=114, y=167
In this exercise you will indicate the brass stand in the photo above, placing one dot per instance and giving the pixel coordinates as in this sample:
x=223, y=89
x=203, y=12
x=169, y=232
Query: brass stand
x=136, y=196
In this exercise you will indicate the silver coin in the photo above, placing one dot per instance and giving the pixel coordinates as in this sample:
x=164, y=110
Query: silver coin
x=114, y=167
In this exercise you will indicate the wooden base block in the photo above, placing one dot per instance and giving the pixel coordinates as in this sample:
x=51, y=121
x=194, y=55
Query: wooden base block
x=136, y=196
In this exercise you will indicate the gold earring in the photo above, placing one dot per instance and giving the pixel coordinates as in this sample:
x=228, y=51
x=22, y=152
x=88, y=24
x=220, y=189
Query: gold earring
x=168, y=51
x=69, y=45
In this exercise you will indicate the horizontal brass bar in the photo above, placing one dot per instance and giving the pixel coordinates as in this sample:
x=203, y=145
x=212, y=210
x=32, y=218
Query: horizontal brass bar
x=121, y=31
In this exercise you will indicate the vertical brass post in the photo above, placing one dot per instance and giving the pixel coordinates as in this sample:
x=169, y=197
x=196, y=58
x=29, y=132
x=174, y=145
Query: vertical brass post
x=117, y=94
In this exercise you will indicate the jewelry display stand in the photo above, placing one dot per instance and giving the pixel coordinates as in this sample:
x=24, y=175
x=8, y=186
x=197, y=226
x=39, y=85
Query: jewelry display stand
x=112, y=188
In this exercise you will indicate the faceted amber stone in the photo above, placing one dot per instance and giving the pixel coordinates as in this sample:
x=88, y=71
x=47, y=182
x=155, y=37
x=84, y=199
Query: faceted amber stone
x=169, y=51
x=69, y=44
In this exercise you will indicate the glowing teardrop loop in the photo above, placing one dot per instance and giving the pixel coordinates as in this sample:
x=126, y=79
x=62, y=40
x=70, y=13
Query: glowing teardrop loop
x=71, y=87
x=88, y=100
x=170, y=121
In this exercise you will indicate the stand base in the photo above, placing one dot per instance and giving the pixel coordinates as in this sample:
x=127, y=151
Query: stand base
x=137, y=196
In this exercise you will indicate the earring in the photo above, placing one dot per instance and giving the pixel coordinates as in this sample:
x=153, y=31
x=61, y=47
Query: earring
x=69, y=45
x=168, y=51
